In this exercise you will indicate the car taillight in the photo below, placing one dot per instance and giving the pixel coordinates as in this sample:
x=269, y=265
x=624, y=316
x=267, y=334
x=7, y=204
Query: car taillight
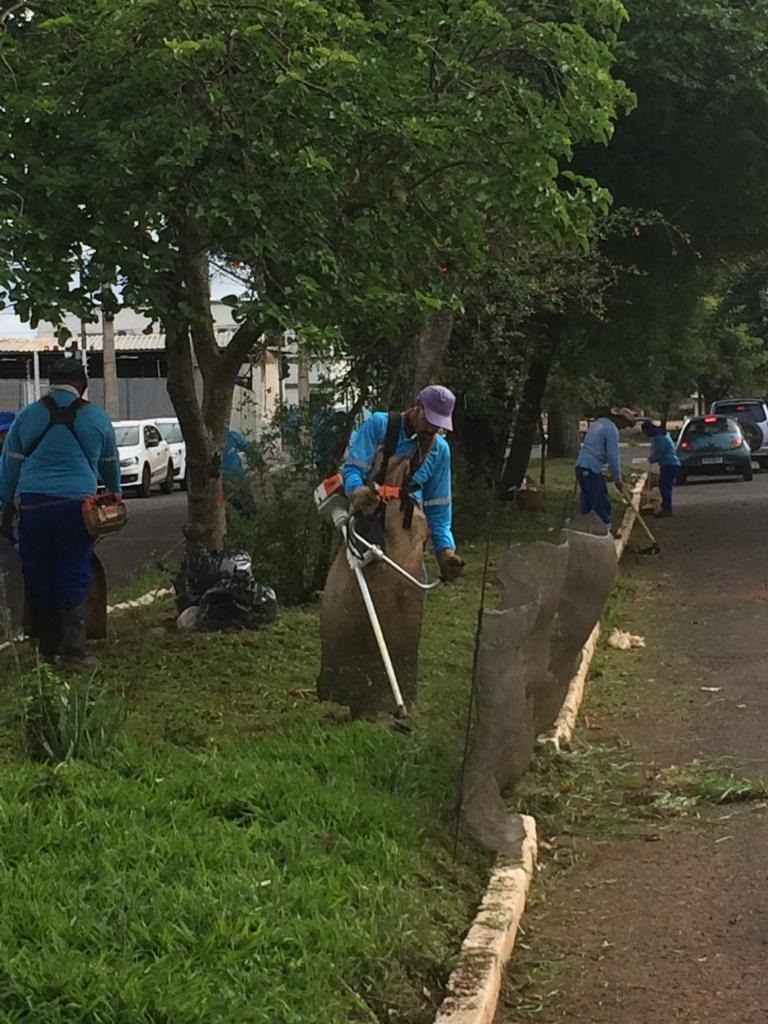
x=686, y=445
x=736, y=442
x=710, y=419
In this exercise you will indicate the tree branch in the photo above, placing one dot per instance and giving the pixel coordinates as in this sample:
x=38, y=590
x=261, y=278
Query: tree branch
x=242, y=344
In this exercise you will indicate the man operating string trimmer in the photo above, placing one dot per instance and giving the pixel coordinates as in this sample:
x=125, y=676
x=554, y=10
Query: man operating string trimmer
x=397, y=476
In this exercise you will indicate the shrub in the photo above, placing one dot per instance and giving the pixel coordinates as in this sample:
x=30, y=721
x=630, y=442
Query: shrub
x=63, y=719
x=272, y=514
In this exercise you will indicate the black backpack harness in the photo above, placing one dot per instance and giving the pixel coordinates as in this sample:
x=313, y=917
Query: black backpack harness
x=372, y=527
x=59, y=416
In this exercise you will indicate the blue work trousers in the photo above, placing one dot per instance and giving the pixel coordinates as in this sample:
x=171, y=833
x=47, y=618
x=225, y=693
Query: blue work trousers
x=594, y=494
x=667, y=478
x=55, y=549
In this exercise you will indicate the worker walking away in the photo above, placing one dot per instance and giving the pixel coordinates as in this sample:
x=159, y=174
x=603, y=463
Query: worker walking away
x=397, y=476
x=54, y=454
x=664, y=455
x=600, y=452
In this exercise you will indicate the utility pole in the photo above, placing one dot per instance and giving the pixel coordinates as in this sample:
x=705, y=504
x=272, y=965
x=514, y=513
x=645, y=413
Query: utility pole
x=111, y=393
x=303, y=371
x=84, y=349
x=36, y=371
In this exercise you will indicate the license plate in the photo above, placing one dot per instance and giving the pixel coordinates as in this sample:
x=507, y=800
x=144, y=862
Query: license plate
x=712, y=461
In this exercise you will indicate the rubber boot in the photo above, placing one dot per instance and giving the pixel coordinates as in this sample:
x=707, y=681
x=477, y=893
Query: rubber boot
x=49, y=633
x=73, y=637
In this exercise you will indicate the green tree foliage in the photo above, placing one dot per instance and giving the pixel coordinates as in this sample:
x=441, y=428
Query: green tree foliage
x=348, y=157
x=694, y=151
x=690, y=164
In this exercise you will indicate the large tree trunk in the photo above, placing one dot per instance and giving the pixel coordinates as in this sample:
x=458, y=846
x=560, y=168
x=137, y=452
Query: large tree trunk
x=563, y=439
x=421, y=357
x=205, y=419
x=529, y=408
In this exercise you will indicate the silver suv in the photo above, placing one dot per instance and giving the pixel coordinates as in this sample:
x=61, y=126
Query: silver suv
x=752, y=417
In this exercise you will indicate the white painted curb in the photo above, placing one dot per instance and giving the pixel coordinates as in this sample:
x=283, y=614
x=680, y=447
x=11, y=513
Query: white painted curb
x=473, y=988
x=139, y=602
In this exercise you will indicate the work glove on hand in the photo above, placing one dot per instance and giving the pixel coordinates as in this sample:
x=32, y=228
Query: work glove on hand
x=451, y=565
x=363, y=501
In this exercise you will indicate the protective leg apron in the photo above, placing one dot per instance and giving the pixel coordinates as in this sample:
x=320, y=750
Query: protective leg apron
x=351, y=670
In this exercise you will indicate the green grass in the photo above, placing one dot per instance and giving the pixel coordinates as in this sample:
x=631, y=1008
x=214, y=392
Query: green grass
x=144, y=581
x=246, y=854
x=257, y=884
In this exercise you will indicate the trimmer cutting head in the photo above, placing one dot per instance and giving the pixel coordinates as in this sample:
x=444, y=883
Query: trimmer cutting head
x=401, y=722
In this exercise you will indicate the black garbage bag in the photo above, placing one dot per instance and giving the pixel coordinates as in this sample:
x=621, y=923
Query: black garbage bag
x=237, y=603
x=223, y=588
x=201, y=570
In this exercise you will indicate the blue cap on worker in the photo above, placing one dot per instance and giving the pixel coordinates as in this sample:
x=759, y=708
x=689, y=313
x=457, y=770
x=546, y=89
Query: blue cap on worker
x=437, y=403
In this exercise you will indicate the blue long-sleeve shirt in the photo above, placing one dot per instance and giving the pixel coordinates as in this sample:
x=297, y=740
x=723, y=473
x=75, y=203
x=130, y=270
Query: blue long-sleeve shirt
x=600, y=449
x=61, y=466
x=663, y=450
x=231, y=463
x=430, y=484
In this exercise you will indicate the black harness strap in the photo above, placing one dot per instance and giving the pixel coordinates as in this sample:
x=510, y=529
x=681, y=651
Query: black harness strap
x=59, y=416
x=392, y=436
x=407, y=504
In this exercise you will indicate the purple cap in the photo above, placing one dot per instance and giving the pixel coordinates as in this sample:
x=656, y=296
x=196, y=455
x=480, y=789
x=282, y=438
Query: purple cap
x=438, y=403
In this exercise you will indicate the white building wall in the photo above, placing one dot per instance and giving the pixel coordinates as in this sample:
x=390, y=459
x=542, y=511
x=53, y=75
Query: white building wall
x=130, y=321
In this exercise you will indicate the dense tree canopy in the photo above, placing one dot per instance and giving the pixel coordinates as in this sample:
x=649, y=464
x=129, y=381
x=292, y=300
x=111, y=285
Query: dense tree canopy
x=350, y=157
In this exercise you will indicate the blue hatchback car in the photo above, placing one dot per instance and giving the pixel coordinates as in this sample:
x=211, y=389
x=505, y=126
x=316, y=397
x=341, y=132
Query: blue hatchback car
x=713, y=446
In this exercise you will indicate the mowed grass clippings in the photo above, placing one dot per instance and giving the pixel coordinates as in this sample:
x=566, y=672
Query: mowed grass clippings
x=246, y=854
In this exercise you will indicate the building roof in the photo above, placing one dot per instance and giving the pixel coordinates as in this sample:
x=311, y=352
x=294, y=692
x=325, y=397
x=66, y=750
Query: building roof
x=137, y=342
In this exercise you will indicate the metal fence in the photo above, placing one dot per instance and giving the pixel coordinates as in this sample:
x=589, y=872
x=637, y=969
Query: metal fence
x=141, y=398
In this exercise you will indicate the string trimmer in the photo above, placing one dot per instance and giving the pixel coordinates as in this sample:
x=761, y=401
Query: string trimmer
x=332, y=504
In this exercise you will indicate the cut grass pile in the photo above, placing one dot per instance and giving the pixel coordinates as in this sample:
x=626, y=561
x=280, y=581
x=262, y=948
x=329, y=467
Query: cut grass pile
x=245, y=855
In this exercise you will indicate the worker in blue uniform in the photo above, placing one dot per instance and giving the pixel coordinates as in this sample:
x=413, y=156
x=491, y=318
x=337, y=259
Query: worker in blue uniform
x=664, y=455
x=600, y=451
x=54, y=455
x=429, y=483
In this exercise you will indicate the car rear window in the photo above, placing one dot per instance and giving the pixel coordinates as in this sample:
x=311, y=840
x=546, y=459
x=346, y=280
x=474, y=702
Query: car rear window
x=752, y=411
x=171, y=432
x=126, y=436
x=703, y=428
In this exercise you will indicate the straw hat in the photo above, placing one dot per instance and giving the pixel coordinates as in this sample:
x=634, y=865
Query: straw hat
x=626, y=414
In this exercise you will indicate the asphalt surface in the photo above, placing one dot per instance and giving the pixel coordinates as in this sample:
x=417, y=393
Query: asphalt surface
x=668, y=923
x=153, y=529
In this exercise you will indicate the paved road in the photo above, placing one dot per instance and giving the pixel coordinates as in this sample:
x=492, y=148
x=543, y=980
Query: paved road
x=154, y=527
x=675, y=929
